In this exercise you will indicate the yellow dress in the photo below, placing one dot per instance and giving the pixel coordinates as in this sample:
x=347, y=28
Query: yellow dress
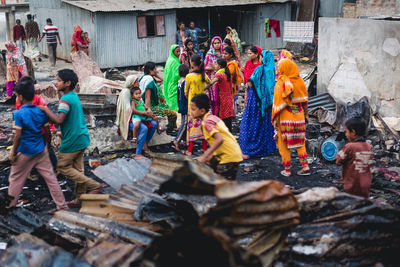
x=194, y=86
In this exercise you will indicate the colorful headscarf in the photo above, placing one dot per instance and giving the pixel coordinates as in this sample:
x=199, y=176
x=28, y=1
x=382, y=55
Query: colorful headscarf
x=263, y=80
x=171, y=78
x=250, y=66
x=211, y=56
x=282, y=55
x=290, y=88
x=235, y=37
x=77, y=37
x=16, y=56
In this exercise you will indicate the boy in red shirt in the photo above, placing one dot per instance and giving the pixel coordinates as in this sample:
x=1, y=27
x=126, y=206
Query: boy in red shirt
x=356, y=158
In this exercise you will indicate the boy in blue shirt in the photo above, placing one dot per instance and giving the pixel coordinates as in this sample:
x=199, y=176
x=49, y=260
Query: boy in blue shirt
x=29, y=149
x=75, y=136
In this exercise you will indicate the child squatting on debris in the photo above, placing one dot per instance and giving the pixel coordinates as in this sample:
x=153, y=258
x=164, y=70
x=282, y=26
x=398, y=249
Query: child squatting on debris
x=356, y=158
x=224, y=153
x=30, y=150
x=75, y=136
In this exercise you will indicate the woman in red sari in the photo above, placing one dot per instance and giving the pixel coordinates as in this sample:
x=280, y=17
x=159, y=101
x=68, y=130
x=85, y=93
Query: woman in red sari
x=78, y=42
x=254, y=54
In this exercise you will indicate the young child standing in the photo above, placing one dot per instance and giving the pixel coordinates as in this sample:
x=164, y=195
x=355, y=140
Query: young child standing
x=195, y=84
x=29, y=148
x=182, y=104
x=356, y=158
x=225, y=108
x=75, y=136
x=224, y=153
x=139, y=112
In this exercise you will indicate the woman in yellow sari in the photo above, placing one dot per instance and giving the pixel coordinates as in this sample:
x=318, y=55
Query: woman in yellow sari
x=289, y=115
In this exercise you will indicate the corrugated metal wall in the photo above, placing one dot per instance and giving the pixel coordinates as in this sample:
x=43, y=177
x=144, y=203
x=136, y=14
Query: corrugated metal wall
x=252, y=24
x=331, y=8
x=118, y=45
x=65, y=17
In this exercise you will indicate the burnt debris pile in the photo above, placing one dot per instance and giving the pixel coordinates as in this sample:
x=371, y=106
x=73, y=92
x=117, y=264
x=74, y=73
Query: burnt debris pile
x=182, y=214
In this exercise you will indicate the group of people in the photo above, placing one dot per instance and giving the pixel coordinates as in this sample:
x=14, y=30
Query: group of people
x=204, y=91
x=276, y=100
x=32, y=141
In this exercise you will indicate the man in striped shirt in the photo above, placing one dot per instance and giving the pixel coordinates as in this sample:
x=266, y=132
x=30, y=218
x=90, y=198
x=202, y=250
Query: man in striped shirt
x=52, y=35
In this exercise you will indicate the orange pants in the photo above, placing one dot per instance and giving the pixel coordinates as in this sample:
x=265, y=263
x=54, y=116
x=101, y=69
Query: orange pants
x=285, y=154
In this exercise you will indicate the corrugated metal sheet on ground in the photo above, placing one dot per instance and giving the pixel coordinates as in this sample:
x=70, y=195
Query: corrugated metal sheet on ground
x=135, y=5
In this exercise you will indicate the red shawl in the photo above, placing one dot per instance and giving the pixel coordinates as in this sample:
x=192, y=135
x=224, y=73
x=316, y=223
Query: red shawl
x=250, y=67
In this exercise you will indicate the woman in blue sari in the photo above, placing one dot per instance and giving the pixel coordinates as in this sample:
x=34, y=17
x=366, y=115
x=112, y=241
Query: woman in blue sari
x=256, y=138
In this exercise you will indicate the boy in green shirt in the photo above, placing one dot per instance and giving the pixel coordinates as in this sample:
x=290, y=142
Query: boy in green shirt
x=75, y=136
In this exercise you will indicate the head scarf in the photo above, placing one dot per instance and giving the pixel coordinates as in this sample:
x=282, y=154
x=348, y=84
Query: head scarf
x=250, y=66
x=77, y=36
x=211, y=56
x=16, y=56
x=124, y=110
x=290, y=88
x=130, y=80
x=263, y=80
x=235, y=37
x=171, y=78
x=282, y=55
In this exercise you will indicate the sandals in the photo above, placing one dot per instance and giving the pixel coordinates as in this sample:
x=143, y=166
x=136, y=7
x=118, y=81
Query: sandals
x=285, y=173
x=304, y=173
x=134, y=140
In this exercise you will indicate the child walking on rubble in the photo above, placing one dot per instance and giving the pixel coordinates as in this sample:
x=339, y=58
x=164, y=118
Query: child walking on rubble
x=182, y=105
x=224, y=154
x=139, y=112
x=30, y=147
x=75, y=136
x=356, y=158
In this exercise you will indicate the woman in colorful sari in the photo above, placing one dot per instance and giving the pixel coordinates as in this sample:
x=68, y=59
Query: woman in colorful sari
x=149, y=90
x=187, y=52
x=233, y=35
x=16, y=67
x=289, y=115
x=78, y=42
x=254, y=54
x=210, y=62
x=230, y=43
x=256, y=137
x=282, y=55
x=124, y=110
x=234, y=70
x=171, y=77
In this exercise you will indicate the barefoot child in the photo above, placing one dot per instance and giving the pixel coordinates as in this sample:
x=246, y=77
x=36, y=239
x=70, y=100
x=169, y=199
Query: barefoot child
x=224, y=153
x=139, y=112
x=356, y=158
x=75, y=136
x=29, y=148
x=225, y=108
x=182, y=104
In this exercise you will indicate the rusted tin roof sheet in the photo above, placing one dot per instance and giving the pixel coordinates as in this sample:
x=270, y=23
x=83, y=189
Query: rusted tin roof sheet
x=142, y=5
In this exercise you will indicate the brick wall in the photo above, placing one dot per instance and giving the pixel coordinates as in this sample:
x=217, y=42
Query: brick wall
x=377, y=7
x=349, y=10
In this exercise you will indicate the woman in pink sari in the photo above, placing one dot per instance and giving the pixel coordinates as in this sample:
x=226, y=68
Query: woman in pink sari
x=16, y=67
x=210, y=62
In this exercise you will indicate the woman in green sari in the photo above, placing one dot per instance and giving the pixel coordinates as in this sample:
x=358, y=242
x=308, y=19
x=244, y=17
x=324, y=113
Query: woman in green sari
x=171, y=77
